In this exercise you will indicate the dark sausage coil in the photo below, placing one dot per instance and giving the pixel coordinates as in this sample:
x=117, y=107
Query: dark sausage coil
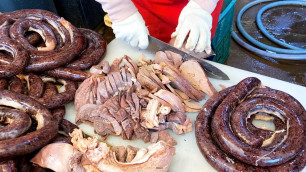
x=46, y=126
x=9, y=67
x=92, y=55
x=18, y=122
x=62, y=98
x=229, y=141
x=38, y=87
x=69, y=74
x=3, y=84
x=48, y=97
x=53, y=29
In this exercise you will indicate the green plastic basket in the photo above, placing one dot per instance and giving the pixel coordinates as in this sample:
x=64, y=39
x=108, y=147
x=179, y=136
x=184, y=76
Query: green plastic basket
x=222, y=39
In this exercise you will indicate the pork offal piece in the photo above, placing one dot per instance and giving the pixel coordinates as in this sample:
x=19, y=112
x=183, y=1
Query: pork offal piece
x=194, y=73
x=179, y=82
x=168, y=56
x=88, y=154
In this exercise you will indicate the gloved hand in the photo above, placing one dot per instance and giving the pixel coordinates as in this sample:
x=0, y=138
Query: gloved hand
x=197, y=22
x=132, y=30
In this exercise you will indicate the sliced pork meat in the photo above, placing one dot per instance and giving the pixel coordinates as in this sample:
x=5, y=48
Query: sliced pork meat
x=141, y=93
x=109, y=88
x=128, y=128
x=115, y=65
x=130, y=66
x=176, y=59
x=82, y=95
x=135, y=114
x=176, y=117
x=143, y=103
x=164, y=136
x=118, y=79
x=97, y=89
x=111, y=118
x=191, y=106
x=105, y=114
x=165, y=80
x=120, y=153
x=141, y=133
x=145, y=79
x=172, y=99
x=194, y=73
x=161, y=56
x=112, y=82
x=179, y=82
x=135, y=68
x=131, y=153
x=168, y=56
x=180, y=128
x=133, y=102
x=102, y=68
x=150, y=114
x=123, y=74
x=120, y=115
x=123, y=102
x=182, y=95
x=129, y=79
x=84, y=113
x=148, y=73
x=103, y=127
x=101, y=90
x=143, y=61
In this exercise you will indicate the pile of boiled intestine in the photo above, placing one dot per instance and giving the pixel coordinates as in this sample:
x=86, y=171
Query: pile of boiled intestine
x=131, y=99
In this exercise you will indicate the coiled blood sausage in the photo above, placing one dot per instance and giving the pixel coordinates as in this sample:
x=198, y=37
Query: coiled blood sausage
x=20, y=58
x=92, y=55
x=230, y=142
x=52, y=29
x=46, y=125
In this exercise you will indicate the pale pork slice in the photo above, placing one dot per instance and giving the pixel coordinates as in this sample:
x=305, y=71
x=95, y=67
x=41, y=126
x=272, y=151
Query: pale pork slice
x=102, y=68
x=50, y=157
x=164, y=136
x=194, y=73
x=84, y=93
x=168, y=56
x=175, y=102
x=161, y=56
x=177, y=59
x=178, y=81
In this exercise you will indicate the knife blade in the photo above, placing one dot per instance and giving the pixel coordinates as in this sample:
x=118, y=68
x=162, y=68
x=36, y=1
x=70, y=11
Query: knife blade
x=210, y=70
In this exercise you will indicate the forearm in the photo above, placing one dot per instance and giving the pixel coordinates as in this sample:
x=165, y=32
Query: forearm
x=118, y=10
x=207, y=5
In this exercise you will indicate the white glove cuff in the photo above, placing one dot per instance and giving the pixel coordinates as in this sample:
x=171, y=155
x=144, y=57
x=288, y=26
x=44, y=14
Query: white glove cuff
x=196, y=8
x=136, y=17
x=207, y=5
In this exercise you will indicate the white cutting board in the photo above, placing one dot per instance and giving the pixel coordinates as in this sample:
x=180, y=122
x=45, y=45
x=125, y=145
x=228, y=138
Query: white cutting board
x=188, y=156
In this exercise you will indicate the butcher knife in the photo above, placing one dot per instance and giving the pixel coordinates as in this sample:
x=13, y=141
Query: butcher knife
x=210, y=70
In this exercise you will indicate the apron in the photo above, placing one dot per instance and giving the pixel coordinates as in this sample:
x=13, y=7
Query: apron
x=161, y=16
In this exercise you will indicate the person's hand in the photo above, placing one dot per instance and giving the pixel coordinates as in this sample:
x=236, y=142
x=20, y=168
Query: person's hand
x=197, y=22
x=132, y=30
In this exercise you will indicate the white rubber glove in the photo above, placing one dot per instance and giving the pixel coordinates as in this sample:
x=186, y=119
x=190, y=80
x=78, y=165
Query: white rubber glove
x=197, y=22
x=132, y=30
